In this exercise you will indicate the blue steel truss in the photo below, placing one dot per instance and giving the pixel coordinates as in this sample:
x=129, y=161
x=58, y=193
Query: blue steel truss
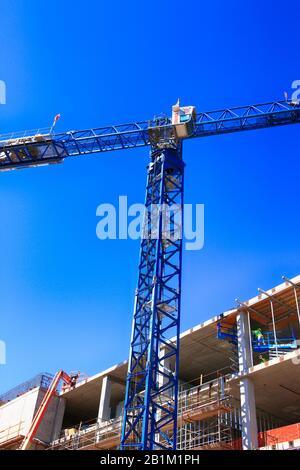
x=32, y=148
x=150, y=414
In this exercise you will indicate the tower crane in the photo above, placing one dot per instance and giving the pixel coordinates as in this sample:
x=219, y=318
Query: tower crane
x=150, y=410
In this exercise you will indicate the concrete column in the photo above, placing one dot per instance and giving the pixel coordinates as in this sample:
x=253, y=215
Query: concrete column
x=247, y=392
x=248, y=415
x=222, y=387
x=104, y=405
x=244, y=346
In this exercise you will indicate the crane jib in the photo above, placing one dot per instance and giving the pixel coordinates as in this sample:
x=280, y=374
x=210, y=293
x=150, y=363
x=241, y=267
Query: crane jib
x=39, y=147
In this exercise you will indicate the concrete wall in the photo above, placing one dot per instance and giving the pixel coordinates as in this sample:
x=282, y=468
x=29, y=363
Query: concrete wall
x=119, y=409
x=16, y=417
x=50, y=427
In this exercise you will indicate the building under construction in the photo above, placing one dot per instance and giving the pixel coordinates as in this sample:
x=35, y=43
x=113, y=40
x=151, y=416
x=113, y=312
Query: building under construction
x=203, y=393
x=239, y=387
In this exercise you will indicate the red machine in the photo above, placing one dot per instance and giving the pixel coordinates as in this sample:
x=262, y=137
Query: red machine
x=69, y=382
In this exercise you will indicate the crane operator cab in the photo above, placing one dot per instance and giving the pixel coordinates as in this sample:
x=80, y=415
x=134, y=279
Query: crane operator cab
x=164, y=131
x=183, y=120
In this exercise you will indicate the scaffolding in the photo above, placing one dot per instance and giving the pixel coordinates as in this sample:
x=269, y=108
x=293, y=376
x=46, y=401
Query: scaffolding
x=90, y=435
x=208, y=416
x=42, y=380
x=203, y=419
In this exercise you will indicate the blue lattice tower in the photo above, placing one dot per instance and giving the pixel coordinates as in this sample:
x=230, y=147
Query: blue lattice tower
x=150, y=420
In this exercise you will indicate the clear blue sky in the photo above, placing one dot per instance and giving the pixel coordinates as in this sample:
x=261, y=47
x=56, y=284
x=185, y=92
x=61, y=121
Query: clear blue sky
x=66, y=298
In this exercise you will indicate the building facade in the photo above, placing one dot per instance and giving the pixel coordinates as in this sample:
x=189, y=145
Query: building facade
x=239, y=387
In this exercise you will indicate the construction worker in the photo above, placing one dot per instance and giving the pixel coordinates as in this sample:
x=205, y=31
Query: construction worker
x=74, y=378
x=262, y=359
x=258, y=335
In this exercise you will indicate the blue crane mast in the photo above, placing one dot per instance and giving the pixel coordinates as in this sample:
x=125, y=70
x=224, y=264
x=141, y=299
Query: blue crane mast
x=150, y=410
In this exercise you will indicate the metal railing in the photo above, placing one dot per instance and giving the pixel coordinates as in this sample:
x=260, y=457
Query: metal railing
x=42, y=380
x=12, y=432
x=25, y=134
x=268, y=342
x=93, y=433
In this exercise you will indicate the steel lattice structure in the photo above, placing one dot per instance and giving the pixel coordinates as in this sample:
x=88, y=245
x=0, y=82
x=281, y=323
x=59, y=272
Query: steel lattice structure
x=150, y=415
x=152, y=386
x=33, y=147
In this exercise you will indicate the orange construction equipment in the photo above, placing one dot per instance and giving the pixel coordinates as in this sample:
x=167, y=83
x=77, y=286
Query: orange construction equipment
x=61, y=375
